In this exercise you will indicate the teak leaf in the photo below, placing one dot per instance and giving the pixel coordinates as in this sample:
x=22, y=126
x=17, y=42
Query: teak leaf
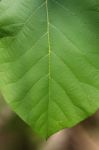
x=49, y=61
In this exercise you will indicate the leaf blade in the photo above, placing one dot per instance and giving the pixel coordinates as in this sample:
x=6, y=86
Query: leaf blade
x=49, y=69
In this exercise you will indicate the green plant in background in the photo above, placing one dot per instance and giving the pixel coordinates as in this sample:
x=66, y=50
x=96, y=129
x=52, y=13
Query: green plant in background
x=49, y=61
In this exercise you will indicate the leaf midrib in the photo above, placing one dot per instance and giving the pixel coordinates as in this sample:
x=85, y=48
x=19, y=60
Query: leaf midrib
x=49, y=65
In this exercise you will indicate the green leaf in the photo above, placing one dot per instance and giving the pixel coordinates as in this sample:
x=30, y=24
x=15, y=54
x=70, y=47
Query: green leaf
x=49, y=61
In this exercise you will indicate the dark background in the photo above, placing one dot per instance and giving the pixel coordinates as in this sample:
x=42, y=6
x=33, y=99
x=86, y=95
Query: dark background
x=16, y=135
